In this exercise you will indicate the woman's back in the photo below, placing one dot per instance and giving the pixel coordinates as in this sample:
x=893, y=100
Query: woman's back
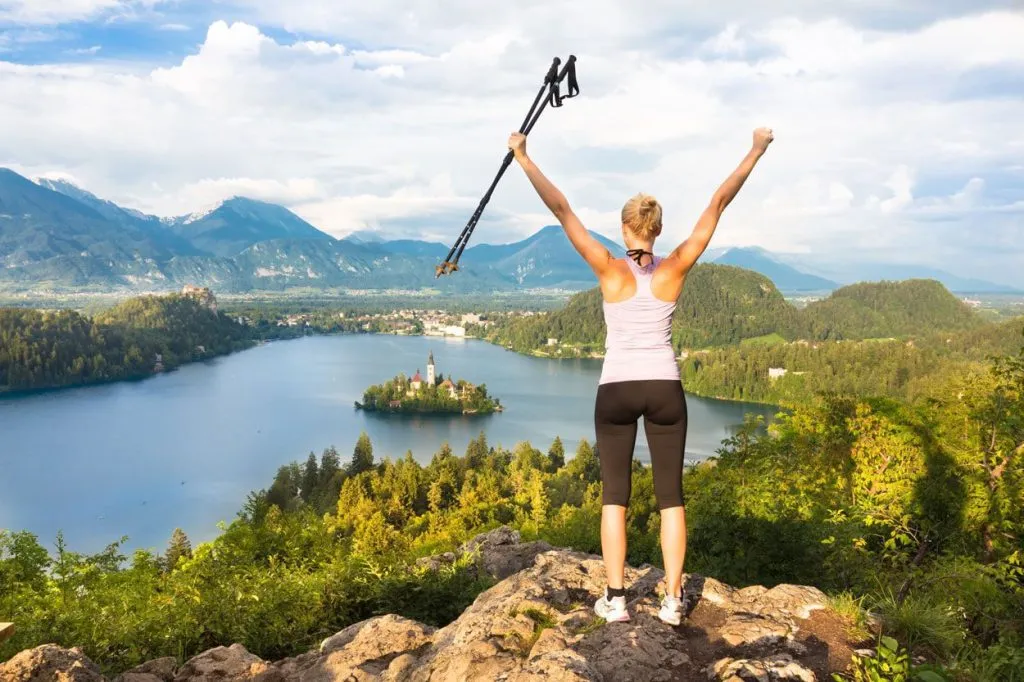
x=638, y=344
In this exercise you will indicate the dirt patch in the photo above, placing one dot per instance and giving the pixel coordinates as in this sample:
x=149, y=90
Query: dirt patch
x=827, y=639
x=823, y=637
x=701, y=643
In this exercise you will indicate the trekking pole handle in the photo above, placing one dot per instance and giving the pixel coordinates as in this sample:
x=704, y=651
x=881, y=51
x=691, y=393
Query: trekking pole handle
x=552, y=74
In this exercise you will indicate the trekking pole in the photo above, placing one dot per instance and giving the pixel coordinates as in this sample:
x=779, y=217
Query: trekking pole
x=552, y=82
x=451, y=264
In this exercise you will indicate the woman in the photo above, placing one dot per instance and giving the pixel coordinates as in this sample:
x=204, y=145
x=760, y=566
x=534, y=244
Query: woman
x=640, y=375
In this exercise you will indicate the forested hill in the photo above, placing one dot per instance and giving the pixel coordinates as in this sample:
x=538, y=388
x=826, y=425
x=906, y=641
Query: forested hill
x=983, y=342
x=887, y=309
x=40, y=349
x=724, y=305
x=720, y=305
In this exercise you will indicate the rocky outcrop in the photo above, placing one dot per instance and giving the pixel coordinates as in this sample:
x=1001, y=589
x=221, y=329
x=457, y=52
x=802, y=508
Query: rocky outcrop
x=159, y=670
x=537, y=624
x=50, y=663
x=499, y=553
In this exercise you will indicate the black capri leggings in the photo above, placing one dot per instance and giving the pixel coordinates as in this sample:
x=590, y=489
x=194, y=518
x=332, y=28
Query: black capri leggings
x=619, y=405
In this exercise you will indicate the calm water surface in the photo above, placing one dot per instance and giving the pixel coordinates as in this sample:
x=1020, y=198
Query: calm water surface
x=184, y=449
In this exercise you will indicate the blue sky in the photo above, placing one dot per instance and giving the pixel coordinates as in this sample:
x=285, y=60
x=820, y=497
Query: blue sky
x=897, y=124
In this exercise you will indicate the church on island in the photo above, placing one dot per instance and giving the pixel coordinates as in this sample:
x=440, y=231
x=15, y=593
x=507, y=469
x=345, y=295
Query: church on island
x=428, y=394
x=447, y=385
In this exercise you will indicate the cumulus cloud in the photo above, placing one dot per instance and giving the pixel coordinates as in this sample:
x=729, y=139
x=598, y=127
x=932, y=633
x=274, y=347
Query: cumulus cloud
x=288, y=191
x=392, y=115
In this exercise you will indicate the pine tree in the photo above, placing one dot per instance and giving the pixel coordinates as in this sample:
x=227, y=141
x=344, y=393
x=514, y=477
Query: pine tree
x=329, y=481
x=585, y=465
x=285, y=488
x=476, y=452
x=330, y=464
x=362, y=456
x=556, y=455
x=178, y=548
x=310, y=479
x=538, y=501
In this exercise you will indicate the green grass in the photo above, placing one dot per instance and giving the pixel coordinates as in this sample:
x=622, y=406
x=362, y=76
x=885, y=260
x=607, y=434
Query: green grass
x=851, y=610
x=925, y=625
x=772, y=339
x=541, y=622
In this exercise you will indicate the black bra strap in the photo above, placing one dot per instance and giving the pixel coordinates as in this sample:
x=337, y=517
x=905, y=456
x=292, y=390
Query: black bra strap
x=638, y=254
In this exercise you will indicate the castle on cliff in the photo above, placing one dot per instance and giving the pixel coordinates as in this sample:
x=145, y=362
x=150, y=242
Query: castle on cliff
x=203, y=295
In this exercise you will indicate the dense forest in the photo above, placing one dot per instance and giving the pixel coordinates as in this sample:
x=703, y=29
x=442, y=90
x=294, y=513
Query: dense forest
x=913, y=510
x=883, y=310
x=884, y=367
x=43, y=349
x=722, y=305
x=732, y=327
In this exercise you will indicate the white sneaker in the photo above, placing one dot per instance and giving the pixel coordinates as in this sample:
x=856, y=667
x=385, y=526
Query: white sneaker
x=671, y=610
x=612, y=610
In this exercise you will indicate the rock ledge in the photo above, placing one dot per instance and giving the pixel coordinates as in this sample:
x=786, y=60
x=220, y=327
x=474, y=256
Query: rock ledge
x=536, y=624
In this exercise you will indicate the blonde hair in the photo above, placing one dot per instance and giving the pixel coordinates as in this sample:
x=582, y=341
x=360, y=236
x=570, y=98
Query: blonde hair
x=642, y=215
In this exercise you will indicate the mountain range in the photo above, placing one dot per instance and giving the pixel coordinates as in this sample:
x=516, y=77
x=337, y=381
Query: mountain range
x=785, y=277
x=56, y=235
x=795, y=274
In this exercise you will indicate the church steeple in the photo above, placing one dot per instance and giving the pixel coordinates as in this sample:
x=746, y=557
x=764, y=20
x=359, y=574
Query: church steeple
x=430, y=369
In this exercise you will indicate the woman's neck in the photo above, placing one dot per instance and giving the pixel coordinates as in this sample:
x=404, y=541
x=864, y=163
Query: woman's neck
x=634, y=244
x=641, y=255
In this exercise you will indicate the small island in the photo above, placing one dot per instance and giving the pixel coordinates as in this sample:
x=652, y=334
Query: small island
x=433, y=395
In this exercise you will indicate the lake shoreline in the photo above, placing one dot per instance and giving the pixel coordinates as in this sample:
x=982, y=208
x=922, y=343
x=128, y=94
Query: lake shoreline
x=186, y=448
x=6, y=393
x=15, y=393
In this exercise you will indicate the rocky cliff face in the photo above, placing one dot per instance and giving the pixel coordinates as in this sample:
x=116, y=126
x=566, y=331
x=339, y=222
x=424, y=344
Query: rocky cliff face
x=536, y=624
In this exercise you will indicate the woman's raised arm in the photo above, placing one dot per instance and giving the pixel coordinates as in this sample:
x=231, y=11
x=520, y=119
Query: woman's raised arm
x=686, y=254
x=595, y=253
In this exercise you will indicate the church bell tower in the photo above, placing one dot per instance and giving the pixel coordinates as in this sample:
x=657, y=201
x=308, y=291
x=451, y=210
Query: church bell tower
x=430, y=369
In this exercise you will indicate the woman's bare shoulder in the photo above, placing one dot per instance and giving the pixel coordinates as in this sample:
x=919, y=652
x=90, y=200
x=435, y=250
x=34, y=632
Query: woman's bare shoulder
x=618, y=282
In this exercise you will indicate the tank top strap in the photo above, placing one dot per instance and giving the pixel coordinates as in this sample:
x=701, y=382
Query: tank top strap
x=644, y=274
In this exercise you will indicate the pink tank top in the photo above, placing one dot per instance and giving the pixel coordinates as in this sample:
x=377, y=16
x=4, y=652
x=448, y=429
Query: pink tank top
x=638, y=345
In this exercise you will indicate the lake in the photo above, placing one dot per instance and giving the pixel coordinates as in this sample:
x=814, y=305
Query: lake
x=184, y=449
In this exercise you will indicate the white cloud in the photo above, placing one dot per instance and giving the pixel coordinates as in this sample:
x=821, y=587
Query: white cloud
x=399, y=111
x=288, y=191
x=58, y=11
x=87, y=50
x=901, y=183
x=13, y=39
